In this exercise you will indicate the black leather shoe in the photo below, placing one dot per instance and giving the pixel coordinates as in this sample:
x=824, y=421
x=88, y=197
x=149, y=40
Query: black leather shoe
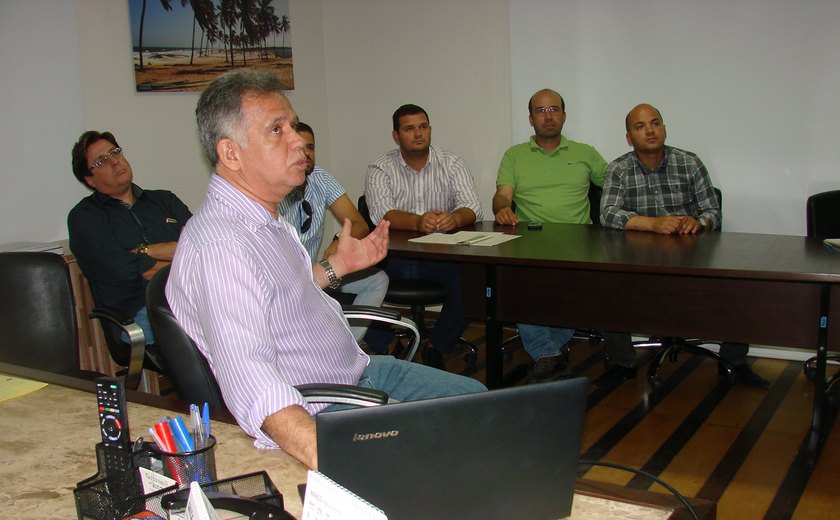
x=615, y=375
x=433, y=357
x=744, y=375
x=550, y=368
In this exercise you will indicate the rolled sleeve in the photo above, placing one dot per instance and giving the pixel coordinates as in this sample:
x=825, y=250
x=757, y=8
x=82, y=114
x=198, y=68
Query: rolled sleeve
x=378, y=193
x=612, y=199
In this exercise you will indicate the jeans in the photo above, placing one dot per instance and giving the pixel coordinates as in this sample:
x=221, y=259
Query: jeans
x=406, y=381
x=142, y=321
x=450, y=325
x=369, y=286
x=541, y=341
x=618, y=350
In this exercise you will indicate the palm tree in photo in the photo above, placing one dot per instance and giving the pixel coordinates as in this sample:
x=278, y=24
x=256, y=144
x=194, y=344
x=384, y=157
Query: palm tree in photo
x=265, y=16
x=285, y=26
x=227, y=19
x=204, y=15
x=166, y=7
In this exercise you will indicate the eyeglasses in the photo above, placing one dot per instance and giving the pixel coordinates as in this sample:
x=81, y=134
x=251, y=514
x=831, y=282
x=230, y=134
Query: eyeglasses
x=115, y=152
x=544, y=110
x=307, y=208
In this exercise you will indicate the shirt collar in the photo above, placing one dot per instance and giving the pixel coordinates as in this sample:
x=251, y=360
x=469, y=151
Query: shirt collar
x=564, y=143
x=248, y=210
x=659, y=166
x=432, y=158
x=103, y=198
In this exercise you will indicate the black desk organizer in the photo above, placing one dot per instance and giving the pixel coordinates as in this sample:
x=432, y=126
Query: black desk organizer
x=115, y=491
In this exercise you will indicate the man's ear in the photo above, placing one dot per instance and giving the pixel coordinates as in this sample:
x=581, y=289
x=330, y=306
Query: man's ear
x=228, y=152
x=90, y=181
x=396, y=136
x=627, y=136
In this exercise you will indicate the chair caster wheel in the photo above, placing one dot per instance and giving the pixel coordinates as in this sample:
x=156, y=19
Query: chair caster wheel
x=809, y=370
x=655, y=382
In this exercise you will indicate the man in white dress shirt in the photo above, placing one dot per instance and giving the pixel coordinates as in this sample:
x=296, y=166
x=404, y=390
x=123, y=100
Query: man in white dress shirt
x=420, y=187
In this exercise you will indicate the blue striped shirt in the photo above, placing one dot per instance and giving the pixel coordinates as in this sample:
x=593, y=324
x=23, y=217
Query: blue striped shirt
x=322, y=190
x=242, y=287
x=444, y=183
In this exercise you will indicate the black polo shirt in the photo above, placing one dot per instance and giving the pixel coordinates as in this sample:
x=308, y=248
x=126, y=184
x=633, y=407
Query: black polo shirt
x=103, y=231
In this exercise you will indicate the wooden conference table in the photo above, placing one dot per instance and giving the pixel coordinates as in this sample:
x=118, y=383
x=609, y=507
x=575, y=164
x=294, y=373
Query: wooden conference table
x=750, y=288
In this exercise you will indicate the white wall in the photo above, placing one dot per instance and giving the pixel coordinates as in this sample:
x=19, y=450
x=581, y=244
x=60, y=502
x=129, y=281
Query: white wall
x=41, y=113
x=450, y=57
x=749, y=85
x=68, y=69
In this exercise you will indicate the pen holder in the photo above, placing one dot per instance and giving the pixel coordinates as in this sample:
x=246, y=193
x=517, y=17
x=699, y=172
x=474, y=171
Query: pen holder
x=198, y=465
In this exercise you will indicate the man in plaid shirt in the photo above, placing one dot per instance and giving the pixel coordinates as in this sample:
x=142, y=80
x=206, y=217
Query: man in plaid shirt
x=660, y=189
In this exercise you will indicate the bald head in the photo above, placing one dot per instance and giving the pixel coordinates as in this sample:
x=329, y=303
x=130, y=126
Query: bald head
x=545, y=91
x=634, y=114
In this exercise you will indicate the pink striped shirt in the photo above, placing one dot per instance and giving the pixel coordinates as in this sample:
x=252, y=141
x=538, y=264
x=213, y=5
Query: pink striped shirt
x=242, y=287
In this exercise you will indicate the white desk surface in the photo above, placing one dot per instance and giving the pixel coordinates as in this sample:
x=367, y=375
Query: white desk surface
x=47, y=446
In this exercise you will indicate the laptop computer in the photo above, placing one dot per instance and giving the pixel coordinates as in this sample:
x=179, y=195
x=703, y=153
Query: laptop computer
x=510, y=453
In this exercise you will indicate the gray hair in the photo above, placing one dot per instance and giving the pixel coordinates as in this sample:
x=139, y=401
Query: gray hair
x=219, y=111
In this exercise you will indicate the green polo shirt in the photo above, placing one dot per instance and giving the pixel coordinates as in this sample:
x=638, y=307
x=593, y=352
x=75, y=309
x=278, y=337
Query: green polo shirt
x=552, y=187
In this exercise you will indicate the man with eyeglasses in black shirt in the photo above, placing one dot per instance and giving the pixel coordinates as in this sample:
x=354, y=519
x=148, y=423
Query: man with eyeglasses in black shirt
x=121, y=234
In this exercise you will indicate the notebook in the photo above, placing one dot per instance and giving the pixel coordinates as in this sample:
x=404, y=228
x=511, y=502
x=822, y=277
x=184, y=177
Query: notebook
x=509, y=453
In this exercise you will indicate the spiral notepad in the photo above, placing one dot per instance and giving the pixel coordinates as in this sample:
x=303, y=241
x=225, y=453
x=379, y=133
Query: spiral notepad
x=327, y=500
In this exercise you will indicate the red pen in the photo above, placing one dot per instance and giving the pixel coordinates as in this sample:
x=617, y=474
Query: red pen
x=165, y=435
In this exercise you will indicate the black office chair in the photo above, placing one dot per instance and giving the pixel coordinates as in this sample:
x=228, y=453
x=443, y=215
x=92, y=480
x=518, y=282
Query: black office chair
x=417, y=295
x=38, y=327
x=193, y=380
x=669, y=346
x=822, y=218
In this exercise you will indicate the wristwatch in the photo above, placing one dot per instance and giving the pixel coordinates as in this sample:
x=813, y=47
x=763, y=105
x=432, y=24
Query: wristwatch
x=143, y=249
x=335, y=281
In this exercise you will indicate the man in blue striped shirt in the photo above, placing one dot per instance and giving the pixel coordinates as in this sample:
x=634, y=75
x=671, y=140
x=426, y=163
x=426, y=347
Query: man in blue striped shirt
x=420, y=187
x=305, y=209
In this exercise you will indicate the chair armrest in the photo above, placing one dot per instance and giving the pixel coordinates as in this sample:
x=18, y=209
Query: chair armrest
x=389, y=316
x=343, y=394
x=135, y=336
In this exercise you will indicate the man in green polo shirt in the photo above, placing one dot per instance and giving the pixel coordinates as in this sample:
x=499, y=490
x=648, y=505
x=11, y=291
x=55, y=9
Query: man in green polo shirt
x=548, y=180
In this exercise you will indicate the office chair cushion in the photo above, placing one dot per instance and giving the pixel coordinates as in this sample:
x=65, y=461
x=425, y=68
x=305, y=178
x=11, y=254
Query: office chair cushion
x=415, y=292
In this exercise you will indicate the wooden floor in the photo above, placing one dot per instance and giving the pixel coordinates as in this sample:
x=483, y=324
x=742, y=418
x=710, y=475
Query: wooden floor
x=741, y=447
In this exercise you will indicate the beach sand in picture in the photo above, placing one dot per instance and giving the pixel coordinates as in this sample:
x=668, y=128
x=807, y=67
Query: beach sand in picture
x=170, y=71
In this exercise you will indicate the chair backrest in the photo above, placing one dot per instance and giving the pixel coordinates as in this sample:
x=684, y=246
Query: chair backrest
x=595, y=203
x=187, y=368
x=38, y=327
x=363, y=209
x=822, y=213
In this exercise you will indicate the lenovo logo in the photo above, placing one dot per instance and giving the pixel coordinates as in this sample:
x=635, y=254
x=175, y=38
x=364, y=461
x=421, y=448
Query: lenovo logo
x=357, y=437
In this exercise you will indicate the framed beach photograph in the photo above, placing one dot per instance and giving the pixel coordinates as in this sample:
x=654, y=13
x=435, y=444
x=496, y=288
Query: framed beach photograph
x=182, y=45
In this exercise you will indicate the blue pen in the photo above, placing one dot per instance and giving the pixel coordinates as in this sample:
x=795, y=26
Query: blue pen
x=181, y=434
x=205, y=418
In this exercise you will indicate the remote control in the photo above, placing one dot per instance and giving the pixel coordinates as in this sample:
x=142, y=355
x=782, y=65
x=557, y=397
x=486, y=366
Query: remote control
x=113, y=419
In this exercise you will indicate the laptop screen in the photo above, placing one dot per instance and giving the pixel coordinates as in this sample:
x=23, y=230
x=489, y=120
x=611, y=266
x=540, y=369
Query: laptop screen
x=509, y=453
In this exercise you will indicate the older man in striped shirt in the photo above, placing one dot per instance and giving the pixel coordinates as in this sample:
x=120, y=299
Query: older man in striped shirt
x=243, y=288
x=424, y=188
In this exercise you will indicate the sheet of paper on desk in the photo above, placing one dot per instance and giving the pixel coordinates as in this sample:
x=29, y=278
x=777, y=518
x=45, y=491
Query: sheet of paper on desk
x=832, y=243
x=11, y=387
x=327, y=500
x=466, y=238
